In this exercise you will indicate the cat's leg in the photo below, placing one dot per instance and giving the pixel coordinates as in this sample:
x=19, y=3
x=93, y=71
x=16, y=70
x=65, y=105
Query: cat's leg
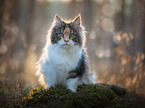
x=50, y=80
x=48, y=75
x=72, y=84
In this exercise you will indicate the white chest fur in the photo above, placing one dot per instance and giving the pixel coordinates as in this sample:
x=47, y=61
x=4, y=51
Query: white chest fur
x=64, y=59
x=61, y=61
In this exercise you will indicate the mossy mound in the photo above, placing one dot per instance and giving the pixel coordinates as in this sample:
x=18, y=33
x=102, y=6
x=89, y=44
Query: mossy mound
x=86, y=96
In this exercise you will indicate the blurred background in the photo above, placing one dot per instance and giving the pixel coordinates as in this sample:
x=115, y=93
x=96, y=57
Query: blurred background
x=115, y=39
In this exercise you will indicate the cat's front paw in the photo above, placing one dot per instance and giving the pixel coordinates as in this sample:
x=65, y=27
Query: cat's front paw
x=46, y=87
x=73, y=89
x=72, y=84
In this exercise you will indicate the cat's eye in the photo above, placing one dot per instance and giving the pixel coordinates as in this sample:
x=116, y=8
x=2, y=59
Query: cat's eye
x=59, y=35
x=72, y=35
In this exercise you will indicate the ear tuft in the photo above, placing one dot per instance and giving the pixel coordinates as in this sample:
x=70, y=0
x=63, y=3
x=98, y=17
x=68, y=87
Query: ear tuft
x=77, y=20
x=57, y=20
x=56, y=17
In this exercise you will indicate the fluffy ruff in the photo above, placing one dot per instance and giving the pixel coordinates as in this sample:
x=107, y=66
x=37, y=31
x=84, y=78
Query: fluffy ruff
x=54, y=67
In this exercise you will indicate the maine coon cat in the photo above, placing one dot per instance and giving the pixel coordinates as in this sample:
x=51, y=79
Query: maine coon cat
x=64, y=58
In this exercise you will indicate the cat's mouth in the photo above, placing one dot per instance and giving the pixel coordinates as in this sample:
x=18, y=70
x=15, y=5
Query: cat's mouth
x=66, y=46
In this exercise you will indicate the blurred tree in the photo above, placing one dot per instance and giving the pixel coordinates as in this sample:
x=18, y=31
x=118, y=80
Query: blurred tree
x=8, y=12
x=16, y=23
x=87, y=12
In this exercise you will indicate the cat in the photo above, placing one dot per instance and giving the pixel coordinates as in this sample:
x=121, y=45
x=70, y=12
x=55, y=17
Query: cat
x=64, y=60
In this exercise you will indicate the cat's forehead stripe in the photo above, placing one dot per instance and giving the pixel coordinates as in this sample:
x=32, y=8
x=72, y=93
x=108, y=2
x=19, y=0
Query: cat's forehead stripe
x=67, y=30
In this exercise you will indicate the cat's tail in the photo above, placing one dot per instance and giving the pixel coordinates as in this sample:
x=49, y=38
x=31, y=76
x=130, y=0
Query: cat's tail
x=88, y=79
x=118, y=89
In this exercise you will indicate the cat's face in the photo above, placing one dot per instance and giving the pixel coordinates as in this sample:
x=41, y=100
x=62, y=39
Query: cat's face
x=65, y=34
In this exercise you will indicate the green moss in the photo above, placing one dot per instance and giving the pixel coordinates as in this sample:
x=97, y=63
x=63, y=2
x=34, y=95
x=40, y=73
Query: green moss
x=86, y=96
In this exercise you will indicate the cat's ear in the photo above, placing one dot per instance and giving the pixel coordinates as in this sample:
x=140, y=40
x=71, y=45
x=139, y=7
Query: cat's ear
x=77, y=21
x=57, y=20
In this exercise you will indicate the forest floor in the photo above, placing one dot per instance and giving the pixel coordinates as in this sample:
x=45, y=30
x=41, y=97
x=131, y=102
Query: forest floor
x=98, y=96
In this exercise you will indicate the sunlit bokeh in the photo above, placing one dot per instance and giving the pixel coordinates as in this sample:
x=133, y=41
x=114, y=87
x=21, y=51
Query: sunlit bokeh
x=115, y=38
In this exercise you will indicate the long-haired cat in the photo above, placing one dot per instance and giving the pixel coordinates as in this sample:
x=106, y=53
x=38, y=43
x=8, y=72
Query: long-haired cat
x=64, y=59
